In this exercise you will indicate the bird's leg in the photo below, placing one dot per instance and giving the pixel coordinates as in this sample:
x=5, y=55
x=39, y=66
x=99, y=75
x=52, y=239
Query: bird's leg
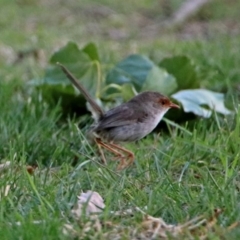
x=106, y=145
x=100, y=144
x=130, y=156
x=104, y=161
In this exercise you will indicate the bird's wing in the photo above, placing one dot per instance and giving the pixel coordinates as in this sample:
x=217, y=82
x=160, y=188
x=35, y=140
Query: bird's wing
x=119, y=116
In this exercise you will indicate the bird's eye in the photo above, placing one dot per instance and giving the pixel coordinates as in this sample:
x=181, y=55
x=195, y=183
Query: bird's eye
x=163, y=102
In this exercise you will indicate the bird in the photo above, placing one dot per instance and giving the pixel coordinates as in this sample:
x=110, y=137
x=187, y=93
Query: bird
x=128, y=122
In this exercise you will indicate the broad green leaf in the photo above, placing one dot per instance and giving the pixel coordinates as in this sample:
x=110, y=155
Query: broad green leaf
x=133, y=69
x=91, y=79
x=83, y=64
x=124, y=92
x=70, y=54
x=192, y=101
x=91, y=50
x=183, y=69
x=128, y=91
x=79, y=63
x=160, y=80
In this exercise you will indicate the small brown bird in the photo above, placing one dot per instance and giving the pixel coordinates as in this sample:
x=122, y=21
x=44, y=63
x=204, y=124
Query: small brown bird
x=128, y=122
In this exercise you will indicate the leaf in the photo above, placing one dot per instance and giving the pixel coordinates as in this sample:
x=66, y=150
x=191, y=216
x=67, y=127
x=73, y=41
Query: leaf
x=160, y=80
x=192, y=100
x=55, y=86
x=124, y=92
x=128, y=91
x=133, y=69
x=5, y=166
x=91, y=50
x=79, y=63
x=88, y=203
x=183, y=69
x=70, y=54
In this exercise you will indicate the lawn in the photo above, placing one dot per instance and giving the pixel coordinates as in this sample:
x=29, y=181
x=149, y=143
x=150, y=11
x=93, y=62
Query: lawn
x=179, y=172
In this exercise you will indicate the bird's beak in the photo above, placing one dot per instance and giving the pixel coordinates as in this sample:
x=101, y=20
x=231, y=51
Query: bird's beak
x=173, y=105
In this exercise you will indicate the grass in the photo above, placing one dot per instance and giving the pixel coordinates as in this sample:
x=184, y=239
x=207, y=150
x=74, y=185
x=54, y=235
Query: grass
x=177, y=175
